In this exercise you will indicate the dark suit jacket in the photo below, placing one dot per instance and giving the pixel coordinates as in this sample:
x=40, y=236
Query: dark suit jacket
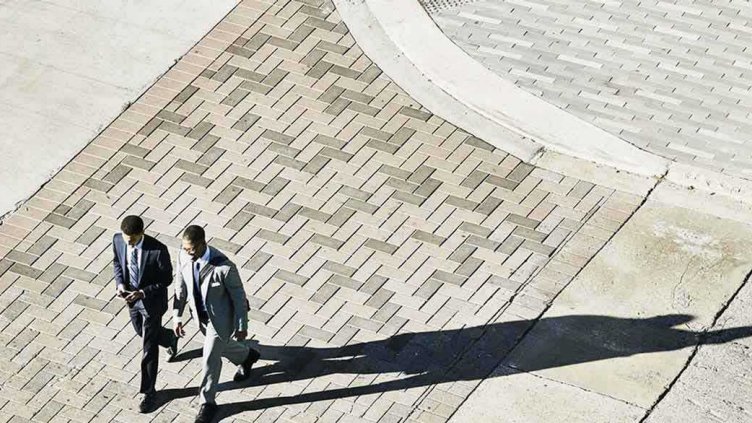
x=155, y=274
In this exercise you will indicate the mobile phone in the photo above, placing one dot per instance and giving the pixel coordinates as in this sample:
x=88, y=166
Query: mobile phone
x=125, y=293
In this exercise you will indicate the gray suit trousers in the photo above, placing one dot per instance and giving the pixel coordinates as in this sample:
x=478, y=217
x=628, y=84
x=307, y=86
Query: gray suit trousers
x=214, y=349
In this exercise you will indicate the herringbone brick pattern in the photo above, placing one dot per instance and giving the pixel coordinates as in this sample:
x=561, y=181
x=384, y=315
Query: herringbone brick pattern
x=375, y=239
x=670, y=77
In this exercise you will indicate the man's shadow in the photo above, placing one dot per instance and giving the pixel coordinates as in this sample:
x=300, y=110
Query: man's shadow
x=472, y=353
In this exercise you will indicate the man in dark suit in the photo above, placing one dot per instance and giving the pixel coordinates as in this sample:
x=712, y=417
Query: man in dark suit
x=142, y=273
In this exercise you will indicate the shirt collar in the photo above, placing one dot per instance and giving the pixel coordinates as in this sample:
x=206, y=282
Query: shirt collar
x=138, y=245
x=204, y=259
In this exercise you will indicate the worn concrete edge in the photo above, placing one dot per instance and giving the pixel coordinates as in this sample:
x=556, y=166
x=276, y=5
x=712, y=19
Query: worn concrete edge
x=702, y=200
x=4, y=214
x=599, y=174
x=710, y=181
x=394, y=34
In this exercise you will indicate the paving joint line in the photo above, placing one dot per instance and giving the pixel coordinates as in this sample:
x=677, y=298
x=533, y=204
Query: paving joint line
x=571, y=385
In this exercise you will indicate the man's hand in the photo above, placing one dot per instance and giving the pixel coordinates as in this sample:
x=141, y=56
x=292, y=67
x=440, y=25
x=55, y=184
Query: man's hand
x=240, y=335
x=179, y=330
x=134, y=296
x=121, y=292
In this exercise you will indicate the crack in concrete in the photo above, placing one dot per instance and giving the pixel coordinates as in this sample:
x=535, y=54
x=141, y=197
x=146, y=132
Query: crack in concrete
x=701, y=340
x=578, y=387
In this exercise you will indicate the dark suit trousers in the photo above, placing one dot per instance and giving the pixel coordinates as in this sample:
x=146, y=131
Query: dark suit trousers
x=149, y=327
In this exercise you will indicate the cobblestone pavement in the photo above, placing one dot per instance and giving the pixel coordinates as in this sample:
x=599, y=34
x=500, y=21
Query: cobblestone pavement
x=671, y=77
x=365, y=227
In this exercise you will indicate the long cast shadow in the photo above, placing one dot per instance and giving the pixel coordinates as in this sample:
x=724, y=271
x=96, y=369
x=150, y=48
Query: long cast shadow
x=472, y=353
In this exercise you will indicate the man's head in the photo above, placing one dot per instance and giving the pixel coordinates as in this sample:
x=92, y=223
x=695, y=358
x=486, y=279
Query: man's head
x=194, y=241
x=133, y=229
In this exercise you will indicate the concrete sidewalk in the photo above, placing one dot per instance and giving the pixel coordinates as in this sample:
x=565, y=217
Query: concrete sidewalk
x=615, y=340
x=68, y=68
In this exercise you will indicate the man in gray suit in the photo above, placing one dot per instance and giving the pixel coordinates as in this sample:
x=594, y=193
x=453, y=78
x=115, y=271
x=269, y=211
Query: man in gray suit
x=210, y=284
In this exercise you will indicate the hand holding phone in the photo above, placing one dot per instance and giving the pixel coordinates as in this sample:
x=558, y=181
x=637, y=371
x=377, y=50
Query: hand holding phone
x=133, y=296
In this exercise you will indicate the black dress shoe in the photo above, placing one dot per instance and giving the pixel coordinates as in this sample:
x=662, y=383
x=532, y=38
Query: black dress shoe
x=244, y=370
x=148, y=404
x=172, y=349
x=206, y=413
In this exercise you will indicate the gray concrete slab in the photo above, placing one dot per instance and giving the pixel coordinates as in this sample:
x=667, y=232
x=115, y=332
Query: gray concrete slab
x=627, y=325
x=519, y=397
x=717, y=385
x=666, y=261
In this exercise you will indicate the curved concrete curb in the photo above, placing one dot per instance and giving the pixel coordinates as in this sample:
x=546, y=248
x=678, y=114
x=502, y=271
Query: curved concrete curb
x=402, y=39
x=710, y=181
x=371, y=37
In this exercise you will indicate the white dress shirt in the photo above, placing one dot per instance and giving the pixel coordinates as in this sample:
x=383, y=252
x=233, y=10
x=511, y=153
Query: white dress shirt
x=129, y=251
x=202, y=262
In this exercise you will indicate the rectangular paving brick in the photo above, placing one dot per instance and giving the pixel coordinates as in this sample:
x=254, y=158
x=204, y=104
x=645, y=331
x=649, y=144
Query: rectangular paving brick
x=196, y=180
x=59, y=220
x=25, y=270
x=326, y=241
x=290, y=277
x=382, y=246
x=21, y=257
x=79, y=274
x=428, y=237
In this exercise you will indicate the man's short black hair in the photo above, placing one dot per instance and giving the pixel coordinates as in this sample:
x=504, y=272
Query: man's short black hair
x=194, y=234
x=132, y=225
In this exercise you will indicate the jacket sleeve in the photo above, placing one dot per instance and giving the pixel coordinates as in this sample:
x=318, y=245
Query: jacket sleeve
x=181, y=293
x=117, y=268
x=164, y=272
x=234, y=287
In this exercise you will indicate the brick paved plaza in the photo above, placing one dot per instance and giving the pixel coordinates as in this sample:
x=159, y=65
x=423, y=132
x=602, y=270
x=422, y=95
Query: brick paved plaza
x=392, y=260
x=671, y=77
x=354, y=214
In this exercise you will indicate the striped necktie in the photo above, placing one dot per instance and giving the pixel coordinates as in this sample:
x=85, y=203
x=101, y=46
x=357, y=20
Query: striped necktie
x=133, y=268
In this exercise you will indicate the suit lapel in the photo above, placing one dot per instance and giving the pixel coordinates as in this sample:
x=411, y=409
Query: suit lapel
x=122, y=251
x=202, y=275
x=187, y=270
x=144, y=257
x=206, y=271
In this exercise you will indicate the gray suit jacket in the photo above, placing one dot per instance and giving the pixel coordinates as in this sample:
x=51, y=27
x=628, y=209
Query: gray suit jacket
x=221, y=289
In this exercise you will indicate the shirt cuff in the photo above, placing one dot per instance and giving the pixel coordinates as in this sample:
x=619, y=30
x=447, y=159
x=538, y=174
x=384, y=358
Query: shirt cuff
x=176, y=317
